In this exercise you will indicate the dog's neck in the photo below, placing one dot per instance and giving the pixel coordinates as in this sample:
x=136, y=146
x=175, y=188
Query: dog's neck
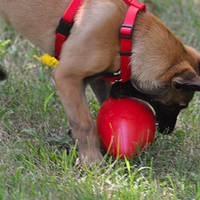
x=155, y=50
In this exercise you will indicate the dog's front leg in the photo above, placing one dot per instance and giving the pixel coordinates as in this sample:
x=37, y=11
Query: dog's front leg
x=71, y=89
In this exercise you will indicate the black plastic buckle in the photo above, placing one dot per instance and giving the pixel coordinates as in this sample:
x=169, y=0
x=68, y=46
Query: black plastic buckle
x=64, y=28
x=126, y=36
x=125, y=53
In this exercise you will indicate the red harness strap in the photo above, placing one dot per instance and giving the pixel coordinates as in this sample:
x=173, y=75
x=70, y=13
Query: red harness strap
x=66, y=23
x=126, y=32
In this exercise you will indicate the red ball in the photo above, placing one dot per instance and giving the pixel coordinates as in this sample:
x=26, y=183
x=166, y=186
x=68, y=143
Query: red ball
x=126, y=126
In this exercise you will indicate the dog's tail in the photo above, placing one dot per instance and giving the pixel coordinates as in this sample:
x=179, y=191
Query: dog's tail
x=2, y=74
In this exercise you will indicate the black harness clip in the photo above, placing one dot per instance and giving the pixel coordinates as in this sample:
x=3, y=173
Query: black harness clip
x=64, y=28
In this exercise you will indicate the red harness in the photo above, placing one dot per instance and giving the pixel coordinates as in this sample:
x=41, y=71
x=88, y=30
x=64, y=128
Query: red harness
x=125, y=34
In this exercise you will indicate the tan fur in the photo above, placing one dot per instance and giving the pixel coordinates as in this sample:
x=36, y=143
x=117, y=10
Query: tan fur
x=93, y=49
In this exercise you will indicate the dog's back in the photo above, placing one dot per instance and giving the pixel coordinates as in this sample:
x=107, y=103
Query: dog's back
x=36, y=20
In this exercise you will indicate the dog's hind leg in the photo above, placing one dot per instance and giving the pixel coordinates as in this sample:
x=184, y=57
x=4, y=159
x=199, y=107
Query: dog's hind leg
x=101, y=89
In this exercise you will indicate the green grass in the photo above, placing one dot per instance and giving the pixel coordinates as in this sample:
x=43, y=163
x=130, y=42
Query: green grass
x=38, y=159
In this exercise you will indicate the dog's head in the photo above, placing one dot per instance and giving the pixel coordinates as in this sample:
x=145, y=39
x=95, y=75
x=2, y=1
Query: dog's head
x=164, y=71
x=174, y=95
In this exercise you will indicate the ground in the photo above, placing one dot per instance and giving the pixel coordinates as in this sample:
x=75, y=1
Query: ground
x=38, y=159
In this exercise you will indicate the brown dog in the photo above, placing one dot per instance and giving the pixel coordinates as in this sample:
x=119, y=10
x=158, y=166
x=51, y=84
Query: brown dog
x=162, y=67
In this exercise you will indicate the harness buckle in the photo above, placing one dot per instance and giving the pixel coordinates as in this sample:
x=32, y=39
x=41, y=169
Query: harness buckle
x=125, y=53
x=64, y=28
x=126, y=31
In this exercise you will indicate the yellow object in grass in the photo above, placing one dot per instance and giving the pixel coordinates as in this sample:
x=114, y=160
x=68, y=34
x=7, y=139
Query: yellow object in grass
x=48, y=60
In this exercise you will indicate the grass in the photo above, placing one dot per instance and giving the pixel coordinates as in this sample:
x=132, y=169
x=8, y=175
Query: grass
x=38, y=159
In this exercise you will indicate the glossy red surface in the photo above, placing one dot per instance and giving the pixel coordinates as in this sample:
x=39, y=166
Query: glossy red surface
x=125, y=126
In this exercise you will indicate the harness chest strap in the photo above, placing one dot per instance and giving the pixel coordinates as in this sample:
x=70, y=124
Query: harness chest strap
x=126, y=32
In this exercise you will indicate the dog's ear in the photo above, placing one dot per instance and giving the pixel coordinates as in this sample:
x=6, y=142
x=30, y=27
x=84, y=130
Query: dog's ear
x=179, y=83
x=196, y=53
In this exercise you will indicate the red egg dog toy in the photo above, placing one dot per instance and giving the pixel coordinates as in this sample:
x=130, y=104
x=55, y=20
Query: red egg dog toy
x=126, y=126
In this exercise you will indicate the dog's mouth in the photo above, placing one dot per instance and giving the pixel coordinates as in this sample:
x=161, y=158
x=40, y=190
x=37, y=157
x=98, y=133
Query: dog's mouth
x=166, y=115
